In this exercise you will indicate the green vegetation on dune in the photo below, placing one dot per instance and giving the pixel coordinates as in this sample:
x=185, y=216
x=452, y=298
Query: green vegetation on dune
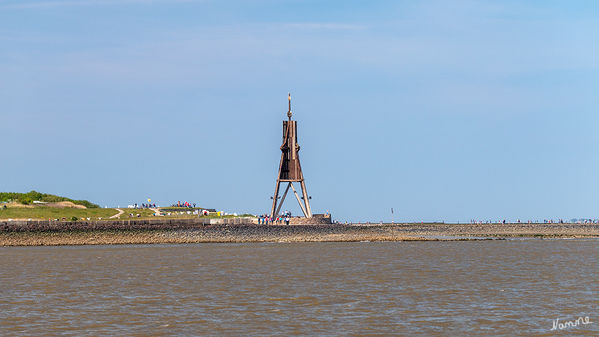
x=46, y=213
x=15, y=209
x=212, y=215
x=30, y=197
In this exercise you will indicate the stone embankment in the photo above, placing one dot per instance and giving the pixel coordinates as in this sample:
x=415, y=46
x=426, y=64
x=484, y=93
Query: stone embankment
x=138, y=224
x=244, y=230
x=133, y=224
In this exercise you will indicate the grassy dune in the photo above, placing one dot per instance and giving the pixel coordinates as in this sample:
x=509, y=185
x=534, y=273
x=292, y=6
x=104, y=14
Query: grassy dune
x=42, y=212
x=30, y=197
x=45, y=213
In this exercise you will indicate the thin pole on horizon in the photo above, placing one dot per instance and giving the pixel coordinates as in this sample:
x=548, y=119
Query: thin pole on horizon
x=392, y=216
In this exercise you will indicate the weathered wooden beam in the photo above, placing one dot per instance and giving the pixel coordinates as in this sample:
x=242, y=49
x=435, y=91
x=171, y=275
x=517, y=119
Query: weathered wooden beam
x=282, y=201
x=299, y=201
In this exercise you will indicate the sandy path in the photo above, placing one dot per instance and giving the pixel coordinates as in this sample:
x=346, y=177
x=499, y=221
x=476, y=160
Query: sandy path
x=118, y=214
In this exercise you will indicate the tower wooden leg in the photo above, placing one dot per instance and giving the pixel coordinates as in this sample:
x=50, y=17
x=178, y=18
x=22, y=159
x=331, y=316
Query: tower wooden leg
x=275, y=198
x=299, y=201
x=282, y=200
x=306, y=200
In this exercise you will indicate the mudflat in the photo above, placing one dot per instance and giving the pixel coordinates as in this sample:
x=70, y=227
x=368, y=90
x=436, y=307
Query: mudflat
x=294, y=233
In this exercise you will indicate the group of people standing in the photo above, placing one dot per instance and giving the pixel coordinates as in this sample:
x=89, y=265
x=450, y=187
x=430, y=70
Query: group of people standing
x=266, y=219
x=145, y=206
x=551, y=221
x=184, y=204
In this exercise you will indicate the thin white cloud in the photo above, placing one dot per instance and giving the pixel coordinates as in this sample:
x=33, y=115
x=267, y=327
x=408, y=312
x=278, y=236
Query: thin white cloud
x=82, y=3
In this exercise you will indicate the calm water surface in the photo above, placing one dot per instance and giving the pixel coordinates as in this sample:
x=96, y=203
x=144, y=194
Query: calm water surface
x=461, y=288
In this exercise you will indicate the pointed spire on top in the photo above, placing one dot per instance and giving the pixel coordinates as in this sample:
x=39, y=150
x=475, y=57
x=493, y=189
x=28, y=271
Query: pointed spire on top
x=289, y=111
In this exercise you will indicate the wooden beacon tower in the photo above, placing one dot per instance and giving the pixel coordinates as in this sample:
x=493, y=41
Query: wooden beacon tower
x=290, y=170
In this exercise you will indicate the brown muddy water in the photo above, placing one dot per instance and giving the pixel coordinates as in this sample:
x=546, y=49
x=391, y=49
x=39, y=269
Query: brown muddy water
x=474, y=288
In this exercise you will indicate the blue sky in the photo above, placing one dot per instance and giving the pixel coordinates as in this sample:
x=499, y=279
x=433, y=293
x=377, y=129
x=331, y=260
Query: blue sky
x=443, y=110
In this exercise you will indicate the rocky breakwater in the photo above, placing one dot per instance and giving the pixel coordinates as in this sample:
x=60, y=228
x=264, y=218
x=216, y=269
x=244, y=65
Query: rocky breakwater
x=378, y=232
x=499, y=230
x=240, y=230
x=286, y=233
x=204, y=233
x=121, y=225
